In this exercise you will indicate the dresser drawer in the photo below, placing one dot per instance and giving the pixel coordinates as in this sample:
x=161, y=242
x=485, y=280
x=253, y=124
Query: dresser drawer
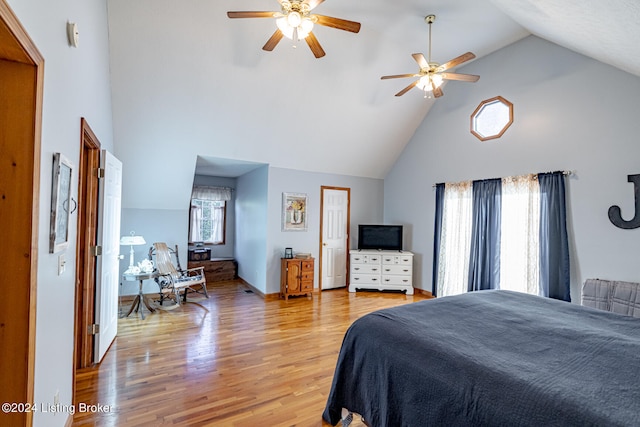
x=365, y=268
x=396, y=280
x=307, y=265
x=306, y=285
x=397, y=269
x=356, y=279
x=397, y=259
x=365, y=259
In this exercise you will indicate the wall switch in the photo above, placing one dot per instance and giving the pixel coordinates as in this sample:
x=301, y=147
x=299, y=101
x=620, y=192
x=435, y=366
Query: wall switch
x=61, y=264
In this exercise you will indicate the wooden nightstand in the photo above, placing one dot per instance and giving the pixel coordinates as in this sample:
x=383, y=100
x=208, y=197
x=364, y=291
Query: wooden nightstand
x=296, y=277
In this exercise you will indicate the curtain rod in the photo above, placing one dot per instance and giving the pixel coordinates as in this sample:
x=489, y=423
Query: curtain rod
x=565, y=173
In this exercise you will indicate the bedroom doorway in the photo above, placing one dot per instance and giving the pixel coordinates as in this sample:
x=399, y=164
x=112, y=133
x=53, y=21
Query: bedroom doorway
x=334, y=236
x=86, y=261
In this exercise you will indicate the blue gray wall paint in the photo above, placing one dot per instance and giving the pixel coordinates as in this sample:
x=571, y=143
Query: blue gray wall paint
x=570, y=113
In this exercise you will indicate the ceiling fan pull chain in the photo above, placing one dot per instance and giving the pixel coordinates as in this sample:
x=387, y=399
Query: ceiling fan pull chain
x=429, y=61
x=295, y=37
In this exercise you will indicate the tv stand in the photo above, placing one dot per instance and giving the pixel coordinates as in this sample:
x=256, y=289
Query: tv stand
x=381, y=270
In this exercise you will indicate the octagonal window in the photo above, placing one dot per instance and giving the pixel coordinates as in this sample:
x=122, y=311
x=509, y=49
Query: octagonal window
x=492, y=118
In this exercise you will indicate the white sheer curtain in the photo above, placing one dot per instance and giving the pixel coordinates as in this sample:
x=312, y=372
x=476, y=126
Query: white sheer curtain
x=195, y=234
x=453, y=263
x=207, y=213
x=217, y=228
x=520, y=231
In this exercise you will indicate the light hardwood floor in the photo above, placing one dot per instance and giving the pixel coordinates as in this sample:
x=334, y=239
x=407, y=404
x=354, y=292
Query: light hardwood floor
x=231, y=360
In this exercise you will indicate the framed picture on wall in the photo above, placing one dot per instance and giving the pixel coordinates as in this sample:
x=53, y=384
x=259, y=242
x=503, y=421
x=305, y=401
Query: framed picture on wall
x=61, y=203
x=294, y=211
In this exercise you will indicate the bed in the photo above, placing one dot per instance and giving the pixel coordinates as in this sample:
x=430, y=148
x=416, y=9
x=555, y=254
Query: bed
x=489, y=358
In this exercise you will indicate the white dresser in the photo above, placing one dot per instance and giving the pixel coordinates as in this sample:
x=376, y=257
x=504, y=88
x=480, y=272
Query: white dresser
x=381, y=270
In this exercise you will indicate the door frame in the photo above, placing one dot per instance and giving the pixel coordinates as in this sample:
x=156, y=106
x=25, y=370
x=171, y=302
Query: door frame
x=348, y=190
x=86, y=241
x=22, y=69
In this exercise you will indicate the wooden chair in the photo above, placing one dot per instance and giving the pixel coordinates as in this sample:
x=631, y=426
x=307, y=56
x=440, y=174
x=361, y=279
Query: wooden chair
x=175, y=282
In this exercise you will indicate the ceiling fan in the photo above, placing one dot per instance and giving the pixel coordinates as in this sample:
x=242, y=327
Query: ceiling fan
x=431, y=74
x=295, y=21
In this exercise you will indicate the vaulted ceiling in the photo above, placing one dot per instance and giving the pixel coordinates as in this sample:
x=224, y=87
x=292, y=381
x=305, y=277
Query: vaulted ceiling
x=192, y=86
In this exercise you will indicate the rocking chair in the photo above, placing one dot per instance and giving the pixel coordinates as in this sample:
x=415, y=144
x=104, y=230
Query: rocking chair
x=175, y=282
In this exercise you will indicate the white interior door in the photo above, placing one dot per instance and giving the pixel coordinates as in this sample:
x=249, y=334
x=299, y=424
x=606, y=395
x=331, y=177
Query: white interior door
x=107, y=264
x=335, y=208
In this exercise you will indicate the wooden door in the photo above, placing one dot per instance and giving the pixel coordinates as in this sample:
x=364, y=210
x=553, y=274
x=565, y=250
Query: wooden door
x=293, y=276
x=21, y=88
x=86, y=241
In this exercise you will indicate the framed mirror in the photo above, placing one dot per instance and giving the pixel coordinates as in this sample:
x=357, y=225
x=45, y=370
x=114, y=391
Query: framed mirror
x=60, y=203
x=491, y=118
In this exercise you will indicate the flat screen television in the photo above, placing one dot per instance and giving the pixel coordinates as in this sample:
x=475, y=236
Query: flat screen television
x=383, y=237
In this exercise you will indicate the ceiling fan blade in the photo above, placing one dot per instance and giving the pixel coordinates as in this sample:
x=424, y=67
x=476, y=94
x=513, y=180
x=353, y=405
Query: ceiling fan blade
x=340, y=24
x=246, y=14
x=273, y=41
x=461, y=77
x=420, y=59
x=314, y=45
x=456, y=61
x=399, y=76
x=408, y=88
x=314, y=3
x=437, y=91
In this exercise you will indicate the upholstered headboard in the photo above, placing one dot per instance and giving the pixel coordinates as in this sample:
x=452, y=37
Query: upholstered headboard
x=615, y=296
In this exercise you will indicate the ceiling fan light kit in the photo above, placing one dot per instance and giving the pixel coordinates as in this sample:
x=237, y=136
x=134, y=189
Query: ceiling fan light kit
x=295, y=21
x=432, y=75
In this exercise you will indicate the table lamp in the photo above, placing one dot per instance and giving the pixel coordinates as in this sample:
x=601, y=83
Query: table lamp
x=131, y=240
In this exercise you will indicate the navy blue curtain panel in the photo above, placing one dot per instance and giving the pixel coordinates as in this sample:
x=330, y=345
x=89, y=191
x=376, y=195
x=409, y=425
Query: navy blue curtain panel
x=437, y=235
x=484, y=260
x=554, y=241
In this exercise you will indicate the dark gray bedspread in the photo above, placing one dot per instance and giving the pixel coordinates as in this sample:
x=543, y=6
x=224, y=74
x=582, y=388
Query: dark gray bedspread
x=489, y=358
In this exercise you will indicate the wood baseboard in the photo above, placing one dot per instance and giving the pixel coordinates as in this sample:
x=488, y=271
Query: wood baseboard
x=253, y=288
x=423, y=292
x=266, y=297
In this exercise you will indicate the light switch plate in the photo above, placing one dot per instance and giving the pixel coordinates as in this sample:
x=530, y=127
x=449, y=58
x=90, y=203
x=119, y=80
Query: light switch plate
x=61, y=264
x=73, y=36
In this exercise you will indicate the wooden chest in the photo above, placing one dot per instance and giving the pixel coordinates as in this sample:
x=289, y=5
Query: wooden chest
x=217, y=269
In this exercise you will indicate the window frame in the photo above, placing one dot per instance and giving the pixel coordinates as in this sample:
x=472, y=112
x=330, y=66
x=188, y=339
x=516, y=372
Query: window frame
x=475, y=116
x=224, y=222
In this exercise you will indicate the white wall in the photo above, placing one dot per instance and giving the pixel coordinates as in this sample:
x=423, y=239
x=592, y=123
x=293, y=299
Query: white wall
x=155, y=225
x=366, y=207
x=570, y=113
x=76, y=84
x=251, y=227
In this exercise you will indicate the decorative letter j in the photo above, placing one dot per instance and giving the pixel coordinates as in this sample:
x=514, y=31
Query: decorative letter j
x=614, y=211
